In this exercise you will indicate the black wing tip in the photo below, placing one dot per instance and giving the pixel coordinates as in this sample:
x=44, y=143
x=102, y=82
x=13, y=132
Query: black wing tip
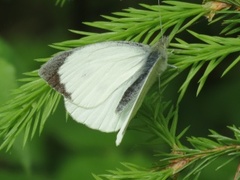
x=49, y=72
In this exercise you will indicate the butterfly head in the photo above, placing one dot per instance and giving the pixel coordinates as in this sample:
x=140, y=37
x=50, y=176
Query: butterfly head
x=161, y=48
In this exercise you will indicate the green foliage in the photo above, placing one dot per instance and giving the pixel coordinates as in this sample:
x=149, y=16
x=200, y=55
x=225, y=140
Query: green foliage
x=33, y=102
x=232, y=25
x=141, y=24
x=198, y=55
x=203, y=153
x=60, y=2
x=231, y=2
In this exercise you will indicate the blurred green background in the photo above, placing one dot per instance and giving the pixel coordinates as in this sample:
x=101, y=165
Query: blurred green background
x=66, y=149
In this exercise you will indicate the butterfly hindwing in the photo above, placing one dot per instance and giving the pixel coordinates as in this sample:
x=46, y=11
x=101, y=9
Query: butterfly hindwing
x=156, y=63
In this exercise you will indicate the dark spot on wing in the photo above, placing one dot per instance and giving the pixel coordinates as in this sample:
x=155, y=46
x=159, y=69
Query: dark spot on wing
x=49, y=72
x=133, y=90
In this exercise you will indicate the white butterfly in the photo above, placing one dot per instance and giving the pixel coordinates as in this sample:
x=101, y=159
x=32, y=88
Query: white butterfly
x=104, y=84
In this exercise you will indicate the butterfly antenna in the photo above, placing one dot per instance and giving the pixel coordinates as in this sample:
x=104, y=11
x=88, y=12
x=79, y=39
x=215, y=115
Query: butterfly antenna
x=161, y=33
x=160, y=18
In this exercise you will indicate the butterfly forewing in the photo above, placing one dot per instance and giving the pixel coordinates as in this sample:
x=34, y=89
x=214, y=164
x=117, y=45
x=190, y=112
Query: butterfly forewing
x=92, y=73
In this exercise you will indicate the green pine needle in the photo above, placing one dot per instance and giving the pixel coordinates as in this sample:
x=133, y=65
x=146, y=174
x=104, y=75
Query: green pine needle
x=205, y=152
x=33, y=102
